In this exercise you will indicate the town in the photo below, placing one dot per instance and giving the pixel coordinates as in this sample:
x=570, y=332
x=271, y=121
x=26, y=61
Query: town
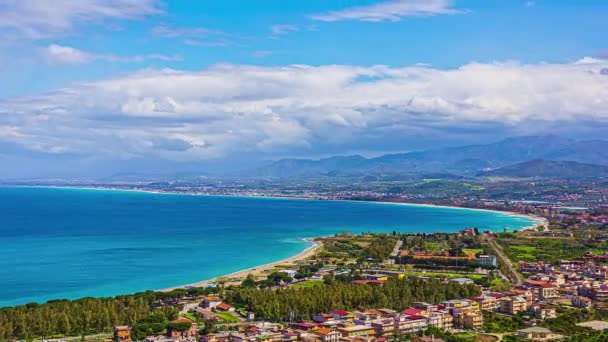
x=549, y=282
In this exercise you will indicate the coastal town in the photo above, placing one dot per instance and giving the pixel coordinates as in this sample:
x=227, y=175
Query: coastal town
x=548, y=282
x=303, y=171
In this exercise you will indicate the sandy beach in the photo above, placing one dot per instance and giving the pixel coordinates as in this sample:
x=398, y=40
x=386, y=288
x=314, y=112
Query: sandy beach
x=257, y=271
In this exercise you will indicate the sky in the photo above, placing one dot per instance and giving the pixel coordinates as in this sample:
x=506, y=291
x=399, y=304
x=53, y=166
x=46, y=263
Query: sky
x=90, y=88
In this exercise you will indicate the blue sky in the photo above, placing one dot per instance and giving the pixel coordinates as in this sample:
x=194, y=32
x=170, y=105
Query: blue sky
x=202, y=84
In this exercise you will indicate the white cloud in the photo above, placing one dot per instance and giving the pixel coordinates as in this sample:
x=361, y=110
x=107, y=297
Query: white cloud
x=66, y=55
x=282, y=29
x=393, y=10
x=59, y=54
x=225, y=109
x=198, y=36
x=36, y=19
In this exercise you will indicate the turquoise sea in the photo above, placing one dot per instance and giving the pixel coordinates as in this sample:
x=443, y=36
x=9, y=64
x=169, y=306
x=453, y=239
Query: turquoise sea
x=70, y=243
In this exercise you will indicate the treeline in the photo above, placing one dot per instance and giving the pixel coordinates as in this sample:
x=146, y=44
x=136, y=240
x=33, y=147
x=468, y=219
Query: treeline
x=303, y=303
x=87, y=315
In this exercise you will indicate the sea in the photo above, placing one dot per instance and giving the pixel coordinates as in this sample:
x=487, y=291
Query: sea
x=67, y=243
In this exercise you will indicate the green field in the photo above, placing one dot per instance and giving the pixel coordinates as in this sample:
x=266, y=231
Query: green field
x=472, y=276
x=473, y=251
x=308, y=283
x=228, y=317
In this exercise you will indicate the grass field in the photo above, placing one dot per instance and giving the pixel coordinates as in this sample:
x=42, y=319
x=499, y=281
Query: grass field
x=472, y=250
x=307, y=284
x=228, y=317
x=472, y=276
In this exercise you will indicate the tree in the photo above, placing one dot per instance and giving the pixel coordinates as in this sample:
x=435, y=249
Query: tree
x=249, y=281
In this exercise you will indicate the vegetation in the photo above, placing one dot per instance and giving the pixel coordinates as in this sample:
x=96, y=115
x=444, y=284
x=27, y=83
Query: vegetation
x=308, y=283
x=550, y=250
x=228, y=317
x=359, y=247
x=302, y=303
x=565, y=322
x=91, y=315
x=497, y=323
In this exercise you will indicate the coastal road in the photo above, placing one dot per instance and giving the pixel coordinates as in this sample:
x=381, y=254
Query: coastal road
x=515, y=276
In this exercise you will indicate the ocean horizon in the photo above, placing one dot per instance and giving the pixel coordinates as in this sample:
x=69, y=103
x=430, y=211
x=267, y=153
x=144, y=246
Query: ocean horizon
x=68, y=243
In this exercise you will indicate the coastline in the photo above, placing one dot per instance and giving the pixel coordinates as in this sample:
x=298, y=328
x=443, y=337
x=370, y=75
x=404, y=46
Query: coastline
x=538, y=220
x=257, y=270
x=236, y=277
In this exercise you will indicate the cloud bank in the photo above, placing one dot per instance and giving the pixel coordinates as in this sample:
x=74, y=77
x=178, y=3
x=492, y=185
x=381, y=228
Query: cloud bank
x=393, y=10
x=61, y=54
x=226, y=109
x=37, y=19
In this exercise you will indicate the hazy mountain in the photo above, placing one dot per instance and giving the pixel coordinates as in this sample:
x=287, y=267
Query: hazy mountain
x=549, y=169
x=464, y=160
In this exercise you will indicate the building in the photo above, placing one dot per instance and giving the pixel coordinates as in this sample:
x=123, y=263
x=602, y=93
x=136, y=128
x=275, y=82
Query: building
x=122, y=333
x=224, y=307
x=541, y=290
x=513, y=305
x=487, y=303
x=341, y=315
x=211, y=302
x=472, y=320
x=327, y=335
x=542, y=313
x=290, y=273
x=384, y=327
x=488, y=260
x=356, y=331
x=322, y=318
x=581, y=302
x=179, y=334
x=537, y=334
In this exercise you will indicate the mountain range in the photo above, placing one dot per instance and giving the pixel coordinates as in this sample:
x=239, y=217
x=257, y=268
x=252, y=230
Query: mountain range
x=471, y=160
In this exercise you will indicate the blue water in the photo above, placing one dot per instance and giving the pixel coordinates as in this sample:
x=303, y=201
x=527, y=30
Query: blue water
x=70, y=243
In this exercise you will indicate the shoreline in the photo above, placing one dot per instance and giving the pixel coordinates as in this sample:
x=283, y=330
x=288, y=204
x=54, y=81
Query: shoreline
x=538, y=220
x=304, y=254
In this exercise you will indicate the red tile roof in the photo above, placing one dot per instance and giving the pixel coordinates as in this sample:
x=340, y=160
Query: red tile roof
x=340, y=312
x=224, y=306
x=411, y=311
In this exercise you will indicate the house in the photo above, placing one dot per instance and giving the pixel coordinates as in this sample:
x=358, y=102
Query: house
x=513, y=305
x=537, y=334
x=581, y=302
x=341, y=315
x=487, y=302
x=322, y=318
x=356, y=331
x=488, y=260
x=412, y=311
x=380, y=277
x=470, y=319
x=542, y=313
x=290, y=273
x=542, y=290
x=384, y=327
x=224, y=307
x=122, y=333
x=176, y=332
x=327, y=335
x=211, y=302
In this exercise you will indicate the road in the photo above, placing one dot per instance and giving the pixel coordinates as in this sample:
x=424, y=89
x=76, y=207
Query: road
x=505, y=261
x=397, y=247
